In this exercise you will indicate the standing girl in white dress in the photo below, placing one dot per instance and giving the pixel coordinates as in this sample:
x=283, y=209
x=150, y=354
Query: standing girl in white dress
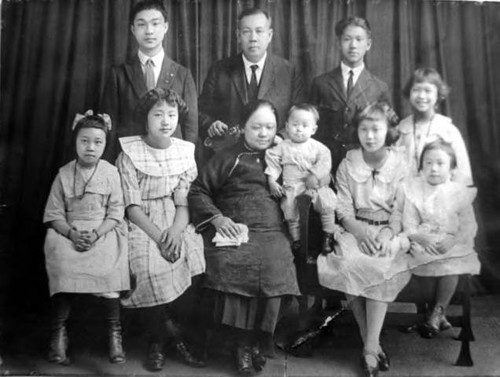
x=86, y=243
x=369, y=263
x=439, y=220
x=425, y=90
x=165, y=252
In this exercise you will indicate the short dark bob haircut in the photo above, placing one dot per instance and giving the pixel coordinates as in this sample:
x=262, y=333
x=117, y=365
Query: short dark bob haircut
x=378, y=111
x=146, y=5
x=441, y=145
x=252, y=106
x=155, y=97
x=429, y=75
x=352, y=21
x=305, y=107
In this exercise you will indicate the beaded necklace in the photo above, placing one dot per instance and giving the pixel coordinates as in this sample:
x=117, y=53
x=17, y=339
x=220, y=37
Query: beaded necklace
x=415, y=143
x=86, y=183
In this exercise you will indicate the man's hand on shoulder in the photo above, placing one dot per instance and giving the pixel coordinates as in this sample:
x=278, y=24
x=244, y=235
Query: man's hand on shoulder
x=217, y=128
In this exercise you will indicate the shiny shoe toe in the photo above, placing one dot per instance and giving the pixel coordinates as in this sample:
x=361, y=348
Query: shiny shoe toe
x=428, y=332
x=156, y=358
x=384, y=362
x=244, y=361
x=258, y=359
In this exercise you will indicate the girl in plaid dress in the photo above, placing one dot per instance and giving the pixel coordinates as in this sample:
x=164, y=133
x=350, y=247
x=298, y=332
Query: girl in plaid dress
x=165, y=252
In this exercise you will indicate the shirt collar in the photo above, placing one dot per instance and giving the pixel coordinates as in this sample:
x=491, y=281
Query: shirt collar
x=356, y=71
x=157, y=59
x=248, y=63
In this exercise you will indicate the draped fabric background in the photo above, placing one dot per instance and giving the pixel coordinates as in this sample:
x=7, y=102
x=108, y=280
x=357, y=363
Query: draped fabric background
x=55, y=55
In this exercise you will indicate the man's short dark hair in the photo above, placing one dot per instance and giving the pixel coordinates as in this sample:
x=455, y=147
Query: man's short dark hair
x=252, y=12
x=145, y=5
x=352, y=21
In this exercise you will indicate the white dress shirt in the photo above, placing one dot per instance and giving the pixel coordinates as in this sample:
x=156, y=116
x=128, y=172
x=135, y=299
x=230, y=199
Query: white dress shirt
x=355, y=73
x=258, y=72
x=157, y=62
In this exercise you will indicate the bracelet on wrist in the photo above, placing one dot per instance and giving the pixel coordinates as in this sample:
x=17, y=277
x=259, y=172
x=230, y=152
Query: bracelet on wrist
x=96, y=234
x=68, y=233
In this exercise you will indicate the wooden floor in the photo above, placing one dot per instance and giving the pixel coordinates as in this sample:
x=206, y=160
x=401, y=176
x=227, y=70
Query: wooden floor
x=335, y=354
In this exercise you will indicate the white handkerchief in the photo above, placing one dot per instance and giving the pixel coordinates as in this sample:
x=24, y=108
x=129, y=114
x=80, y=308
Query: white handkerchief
x=221, y=240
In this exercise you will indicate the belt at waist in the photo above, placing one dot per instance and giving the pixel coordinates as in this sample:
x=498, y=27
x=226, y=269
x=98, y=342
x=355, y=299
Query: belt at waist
x=372, y=222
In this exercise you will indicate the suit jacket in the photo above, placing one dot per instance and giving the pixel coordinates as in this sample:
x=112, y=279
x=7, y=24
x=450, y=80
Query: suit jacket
x=126, y=85
x=224, y=92
x=336, y=110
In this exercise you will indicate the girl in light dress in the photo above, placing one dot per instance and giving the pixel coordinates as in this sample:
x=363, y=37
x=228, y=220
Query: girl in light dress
x=369, y=263
x=425, y=90
x=439, y=220
x=86, y=243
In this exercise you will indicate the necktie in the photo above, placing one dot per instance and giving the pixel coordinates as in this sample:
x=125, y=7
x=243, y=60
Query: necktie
x=350, y=83
x=253, y=88
x=149, y=75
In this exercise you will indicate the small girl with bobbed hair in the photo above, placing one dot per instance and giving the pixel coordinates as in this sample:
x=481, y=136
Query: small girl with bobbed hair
x=369, y=263
x=438, y=218
x=86, y=243
x=425, y=90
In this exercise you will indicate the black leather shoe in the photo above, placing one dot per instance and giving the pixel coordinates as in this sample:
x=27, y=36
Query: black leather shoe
x=244, y=360
x=258, y=359
x=116, y=354
x=368, y=370
x=296, y=245
x=156, y=358
x=187, y=356
x=384, y=362
x=327, y=246
x=58, y=345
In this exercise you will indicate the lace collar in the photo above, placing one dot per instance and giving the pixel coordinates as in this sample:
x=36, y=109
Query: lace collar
x=450, y=194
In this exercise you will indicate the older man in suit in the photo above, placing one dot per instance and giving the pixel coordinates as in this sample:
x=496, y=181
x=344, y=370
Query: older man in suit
x=148, y=69
x=349, y=87
x=253, y=74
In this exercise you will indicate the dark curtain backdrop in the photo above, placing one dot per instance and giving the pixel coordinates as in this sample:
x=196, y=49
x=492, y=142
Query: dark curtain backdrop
x=55, y=55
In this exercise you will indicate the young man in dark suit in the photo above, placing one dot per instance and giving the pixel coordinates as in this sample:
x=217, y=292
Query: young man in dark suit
x=148, y=69
x=350, y=86
x=252, y=74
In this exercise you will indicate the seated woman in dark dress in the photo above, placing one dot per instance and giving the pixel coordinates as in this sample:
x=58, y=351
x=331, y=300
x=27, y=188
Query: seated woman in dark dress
x=247, y=282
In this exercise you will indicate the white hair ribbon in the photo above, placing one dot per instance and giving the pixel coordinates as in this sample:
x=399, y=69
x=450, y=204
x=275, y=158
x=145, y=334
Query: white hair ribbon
x=105, y=117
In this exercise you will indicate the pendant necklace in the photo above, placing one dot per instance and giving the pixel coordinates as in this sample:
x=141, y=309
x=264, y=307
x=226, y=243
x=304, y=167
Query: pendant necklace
x=415, y=142
x=86, y=183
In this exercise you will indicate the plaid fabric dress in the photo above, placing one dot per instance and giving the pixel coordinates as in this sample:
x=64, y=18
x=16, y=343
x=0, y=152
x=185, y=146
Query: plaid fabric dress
x=157, y=180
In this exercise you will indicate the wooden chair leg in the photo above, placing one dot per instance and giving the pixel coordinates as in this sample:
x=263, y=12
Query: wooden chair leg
x=466, y=336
